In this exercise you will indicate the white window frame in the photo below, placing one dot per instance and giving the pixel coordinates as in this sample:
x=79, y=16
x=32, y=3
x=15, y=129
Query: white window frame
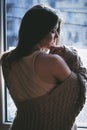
x=3, y=124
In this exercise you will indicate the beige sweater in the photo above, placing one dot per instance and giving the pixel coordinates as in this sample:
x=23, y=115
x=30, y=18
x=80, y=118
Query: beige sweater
x=56, y=109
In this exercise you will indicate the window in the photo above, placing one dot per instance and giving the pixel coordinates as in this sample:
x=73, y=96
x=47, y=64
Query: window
x=86, y=35
x=73, y=33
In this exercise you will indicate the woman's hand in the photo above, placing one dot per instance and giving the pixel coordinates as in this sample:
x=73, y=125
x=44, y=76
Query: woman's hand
x=57, y=50
x=70, y=55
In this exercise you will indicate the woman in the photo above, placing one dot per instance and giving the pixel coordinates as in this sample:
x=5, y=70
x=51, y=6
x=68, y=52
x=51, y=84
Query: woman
x=44, y=87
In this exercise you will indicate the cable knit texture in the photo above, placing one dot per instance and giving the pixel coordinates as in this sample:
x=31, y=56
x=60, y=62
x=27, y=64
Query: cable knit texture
x=55, y=110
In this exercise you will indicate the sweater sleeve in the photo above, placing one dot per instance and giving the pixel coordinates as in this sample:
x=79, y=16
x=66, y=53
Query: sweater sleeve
x=58, y=109
x=75, y=63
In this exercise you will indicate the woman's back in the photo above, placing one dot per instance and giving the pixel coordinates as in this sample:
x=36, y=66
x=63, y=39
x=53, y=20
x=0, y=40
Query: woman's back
x=22, y=80
x=31, y=76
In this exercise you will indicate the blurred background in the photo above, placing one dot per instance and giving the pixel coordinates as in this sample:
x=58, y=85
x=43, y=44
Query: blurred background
x=73, y=33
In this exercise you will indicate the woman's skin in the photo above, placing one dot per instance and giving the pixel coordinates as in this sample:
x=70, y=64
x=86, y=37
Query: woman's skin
x=51, y=68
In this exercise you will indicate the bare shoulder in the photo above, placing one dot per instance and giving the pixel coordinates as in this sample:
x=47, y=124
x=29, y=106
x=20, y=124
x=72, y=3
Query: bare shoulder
x=47, y=57
x=53, y=65
x=51, y=60
x=60, y=68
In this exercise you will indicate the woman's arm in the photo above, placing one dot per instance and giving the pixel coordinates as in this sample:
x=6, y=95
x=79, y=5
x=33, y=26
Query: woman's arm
x=71, y=57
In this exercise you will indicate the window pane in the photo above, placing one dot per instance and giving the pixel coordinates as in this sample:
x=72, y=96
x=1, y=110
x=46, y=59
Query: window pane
x=73, y=33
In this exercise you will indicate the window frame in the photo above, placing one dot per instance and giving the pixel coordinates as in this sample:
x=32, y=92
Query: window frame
x=3, y=123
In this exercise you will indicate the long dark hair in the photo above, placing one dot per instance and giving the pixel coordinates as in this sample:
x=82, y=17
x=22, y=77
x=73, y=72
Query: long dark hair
x=35, y=25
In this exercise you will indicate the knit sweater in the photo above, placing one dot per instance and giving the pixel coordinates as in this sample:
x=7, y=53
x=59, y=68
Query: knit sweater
x=55, y=110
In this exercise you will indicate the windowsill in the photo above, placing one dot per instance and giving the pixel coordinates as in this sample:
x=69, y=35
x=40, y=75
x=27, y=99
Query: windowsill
x=81, y=128
x=9, y=123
